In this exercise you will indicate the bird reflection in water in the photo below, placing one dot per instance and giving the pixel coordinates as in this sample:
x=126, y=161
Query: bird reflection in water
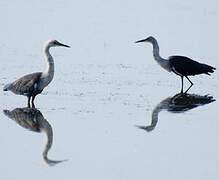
x=179, y=103
x=33, y=120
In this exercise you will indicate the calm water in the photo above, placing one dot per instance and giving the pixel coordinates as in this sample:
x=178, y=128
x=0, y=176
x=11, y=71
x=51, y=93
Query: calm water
x=110, y=111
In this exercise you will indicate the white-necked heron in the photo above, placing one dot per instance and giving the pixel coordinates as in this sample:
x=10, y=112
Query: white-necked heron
x=33, y=84
x=180, y=65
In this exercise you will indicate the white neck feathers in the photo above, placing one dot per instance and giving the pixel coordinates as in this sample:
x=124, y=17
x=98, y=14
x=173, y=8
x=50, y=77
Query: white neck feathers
x=162, y=62
x=48, y=74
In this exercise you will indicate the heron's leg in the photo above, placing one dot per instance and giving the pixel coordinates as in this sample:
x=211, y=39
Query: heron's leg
x=188, y=89
x=28, y=101
x=182, y=84
x=189, y=80
x=33, y=105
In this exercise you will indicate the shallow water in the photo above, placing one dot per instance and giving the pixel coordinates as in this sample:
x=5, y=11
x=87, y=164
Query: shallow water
x=106, y=87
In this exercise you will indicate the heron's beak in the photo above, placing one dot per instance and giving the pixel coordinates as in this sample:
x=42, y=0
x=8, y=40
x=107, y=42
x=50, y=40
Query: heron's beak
x=60, y=44
x=143, y=40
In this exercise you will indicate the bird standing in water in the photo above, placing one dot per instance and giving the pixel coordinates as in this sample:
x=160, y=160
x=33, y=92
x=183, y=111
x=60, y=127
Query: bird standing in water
x=33, y=84
x=180, y=65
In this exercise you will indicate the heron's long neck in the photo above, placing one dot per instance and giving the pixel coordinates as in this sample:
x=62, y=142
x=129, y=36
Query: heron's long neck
x=163, y=62
x=50, y=68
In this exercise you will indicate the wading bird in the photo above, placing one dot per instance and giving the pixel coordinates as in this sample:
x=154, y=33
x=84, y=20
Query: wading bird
x=33, y=84
x=180, y=65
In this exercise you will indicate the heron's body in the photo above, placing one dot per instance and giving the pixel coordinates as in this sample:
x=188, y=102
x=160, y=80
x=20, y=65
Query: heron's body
x=184, y=66
x=180, y=65
x=33, y=84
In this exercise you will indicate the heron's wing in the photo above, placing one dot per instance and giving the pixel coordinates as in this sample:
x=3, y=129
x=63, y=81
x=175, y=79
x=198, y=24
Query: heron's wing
x=185, y=66
x=26, y=84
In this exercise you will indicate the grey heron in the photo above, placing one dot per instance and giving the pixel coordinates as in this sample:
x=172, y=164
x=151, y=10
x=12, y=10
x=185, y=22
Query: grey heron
x=180, y=65
x=33, y=84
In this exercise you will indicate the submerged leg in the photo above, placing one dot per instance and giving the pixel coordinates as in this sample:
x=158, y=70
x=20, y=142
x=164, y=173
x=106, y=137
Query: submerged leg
x=182, y=84
x=189, y=80
x=33, y=105
x=28, y=101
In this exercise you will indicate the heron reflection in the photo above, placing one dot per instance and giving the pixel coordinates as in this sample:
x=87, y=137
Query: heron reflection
x=179, y=103
x=33, y=120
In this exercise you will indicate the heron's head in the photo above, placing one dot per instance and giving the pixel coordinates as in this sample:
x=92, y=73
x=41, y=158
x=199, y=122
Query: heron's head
x=150, y=39
x=55, y=43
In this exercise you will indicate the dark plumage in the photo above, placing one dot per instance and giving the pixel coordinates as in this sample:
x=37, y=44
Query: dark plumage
x=185, y=66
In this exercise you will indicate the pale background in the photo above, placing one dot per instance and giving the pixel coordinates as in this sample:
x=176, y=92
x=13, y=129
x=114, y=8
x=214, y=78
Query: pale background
x=105, y=85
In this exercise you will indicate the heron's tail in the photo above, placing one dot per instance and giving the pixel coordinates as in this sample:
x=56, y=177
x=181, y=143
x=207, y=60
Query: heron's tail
x=208, y=69
x=5, y=88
